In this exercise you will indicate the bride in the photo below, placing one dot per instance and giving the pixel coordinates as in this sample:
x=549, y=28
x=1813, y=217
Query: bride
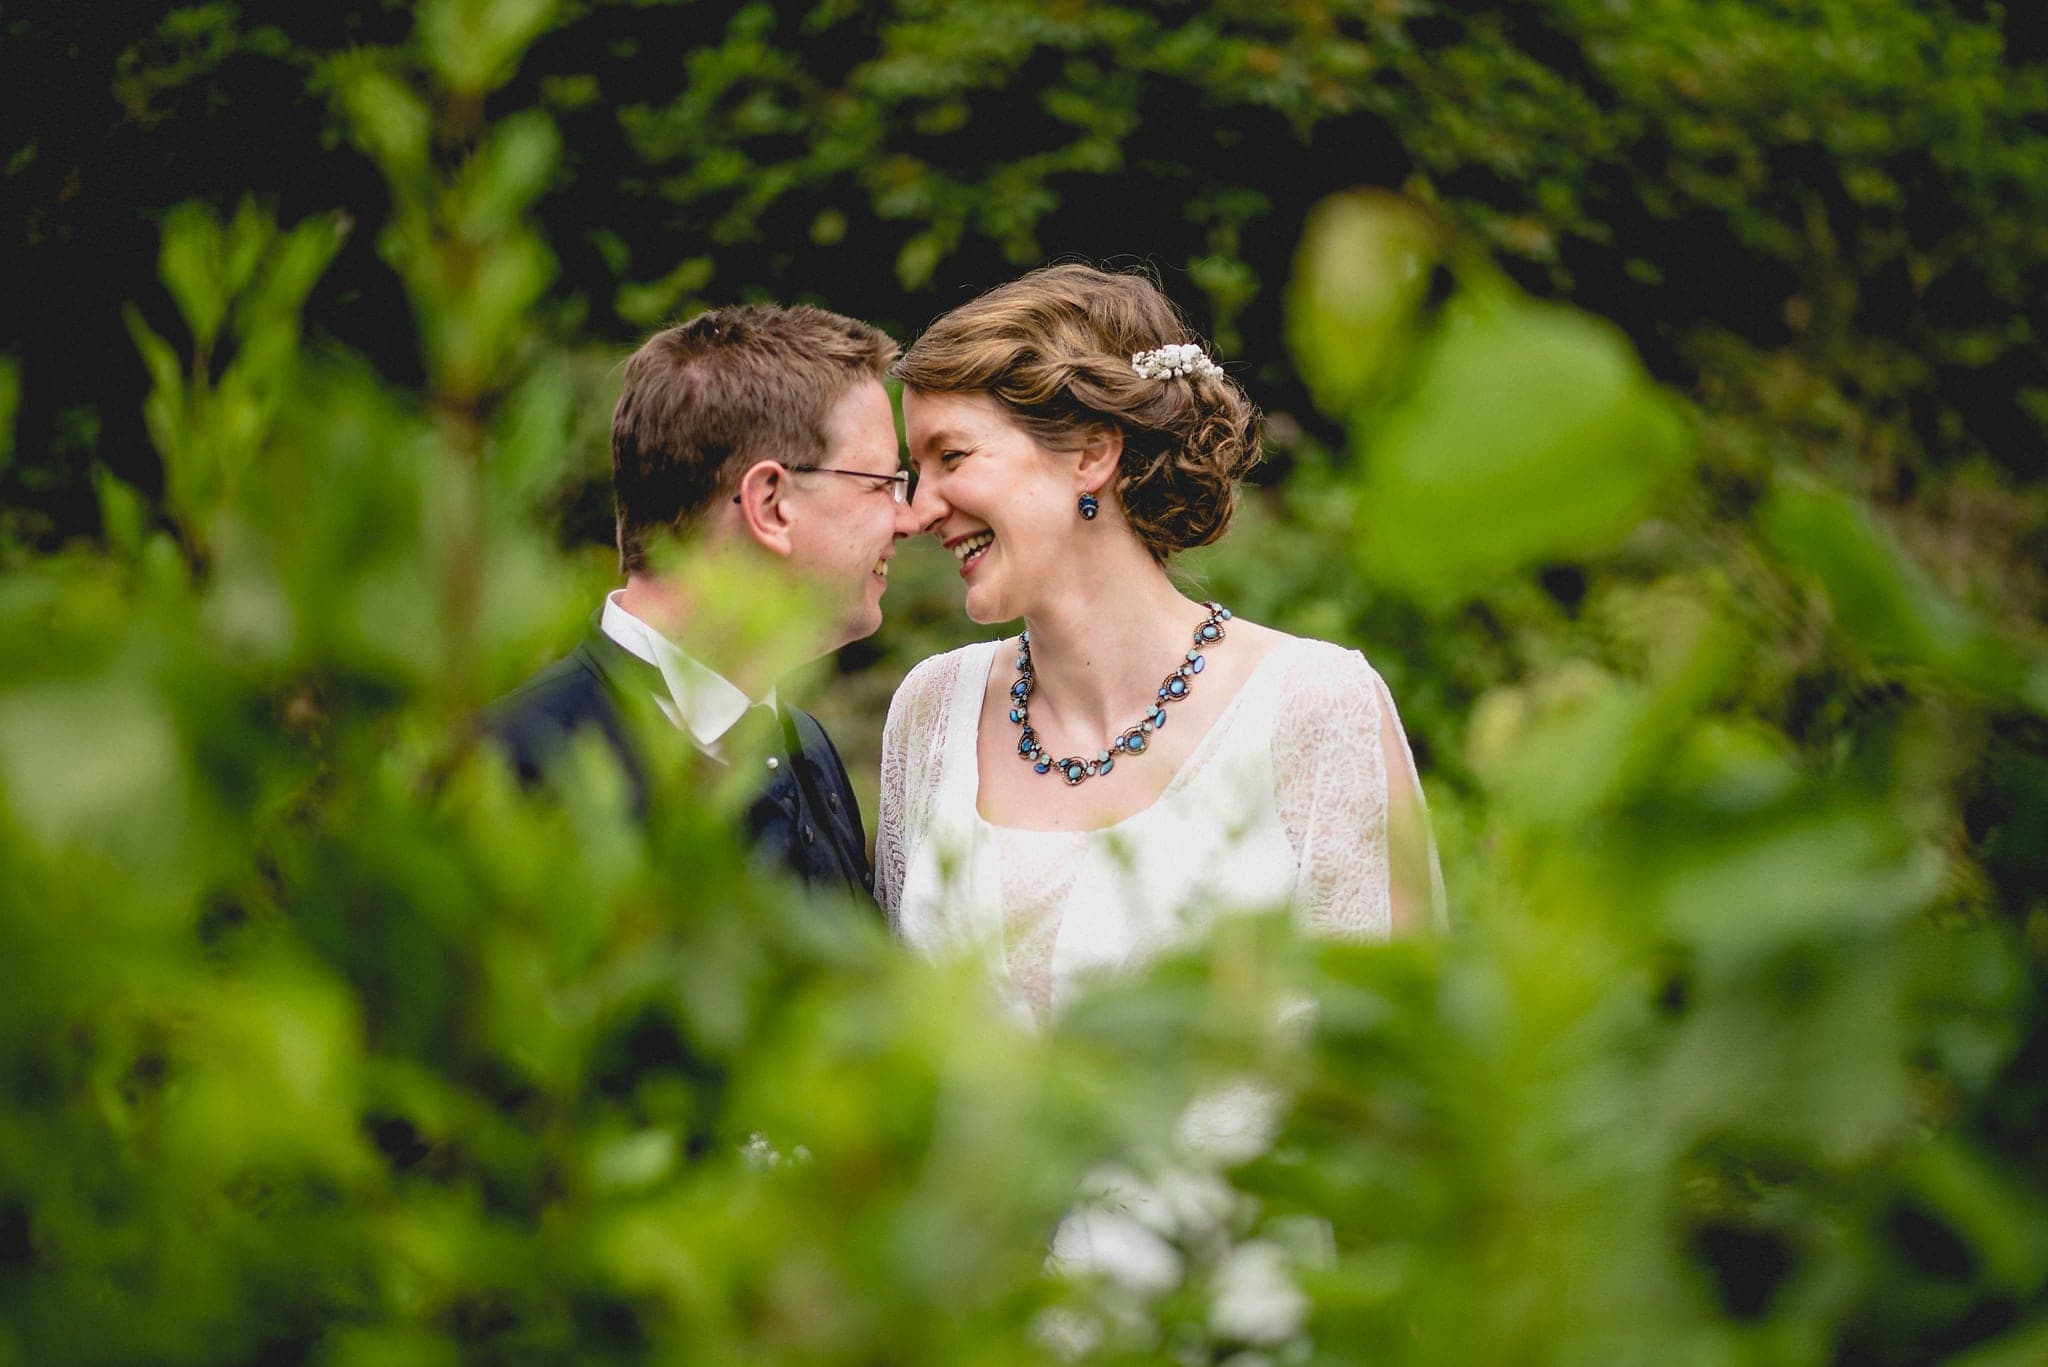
x=1071, y=799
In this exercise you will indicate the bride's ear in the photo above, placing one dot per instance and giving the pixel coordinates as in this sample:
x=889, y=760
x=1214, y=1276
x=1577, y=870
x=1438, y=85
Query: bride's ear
x=1099, y=457
x=764, y=509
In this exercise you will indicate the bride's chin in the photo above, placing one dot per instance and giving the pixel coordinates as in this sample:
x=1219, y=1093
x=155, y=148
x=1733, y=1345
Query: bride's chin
x=978, y=607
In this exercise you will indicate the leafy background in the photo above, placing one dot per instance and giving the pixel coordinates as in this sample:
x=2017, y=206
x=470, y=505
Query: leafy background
x=1654, y=391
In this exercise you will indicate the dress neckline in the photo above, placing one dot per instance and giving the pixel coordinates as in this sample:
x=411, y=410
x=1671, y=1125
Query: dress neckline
x=1196, y=760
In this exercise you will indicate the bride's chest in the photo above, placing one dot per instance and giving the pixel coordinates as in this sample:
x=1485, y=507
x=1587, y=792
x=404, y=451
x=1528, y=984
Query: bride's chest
x=1011, y=790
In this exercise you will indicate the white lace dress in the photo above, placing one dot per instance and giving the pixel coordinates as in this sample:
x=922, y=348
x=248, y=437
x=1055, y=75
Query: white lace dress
x=1284, y=801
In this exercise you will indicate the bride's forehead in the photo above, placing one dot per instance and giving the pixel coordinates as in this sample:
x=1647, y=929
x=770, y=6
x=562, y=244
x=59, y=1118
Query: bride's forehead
x=934, y=419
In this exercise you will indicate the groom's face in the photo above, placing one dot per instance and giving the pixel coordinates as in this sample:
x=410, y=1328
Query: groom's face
x=847, y=527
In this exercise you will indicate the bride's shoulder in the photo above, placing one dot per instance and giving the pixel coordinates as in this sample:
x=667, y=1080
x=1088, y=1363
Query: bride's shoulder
x=935, y=675
x=1308, y=663
x=1294, y=650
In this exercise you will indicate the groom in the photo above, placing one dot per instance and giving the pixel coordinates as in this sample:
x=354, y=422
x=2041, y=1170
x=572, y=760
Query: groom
x=754, y=460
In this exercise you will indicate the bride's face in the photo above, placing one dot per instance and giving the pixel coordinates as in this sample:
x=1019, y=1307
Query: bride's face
x=1003, y=505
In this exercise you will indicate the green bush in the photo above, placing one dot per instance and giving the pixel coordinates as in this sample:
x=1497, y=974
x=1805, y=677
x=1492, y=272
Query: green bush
x=326, y=1042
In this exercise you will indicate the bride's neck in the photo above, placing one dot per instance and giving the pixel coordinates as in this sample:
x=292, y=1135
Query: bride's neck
x=1099, y=653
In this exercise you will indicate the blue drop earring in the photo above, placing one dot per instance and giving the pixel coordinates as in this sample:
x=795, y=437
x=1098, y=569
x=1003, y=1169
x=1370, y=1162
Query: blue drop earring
x=1089, y=507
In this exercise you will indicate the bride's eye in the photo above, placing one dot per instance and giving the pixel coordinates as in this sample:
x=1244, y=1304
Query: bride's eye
x=948, y=457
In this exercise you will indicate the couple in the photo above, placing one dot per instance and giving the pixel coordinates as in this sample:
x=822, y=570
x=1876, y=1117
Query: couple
x=1063, y=801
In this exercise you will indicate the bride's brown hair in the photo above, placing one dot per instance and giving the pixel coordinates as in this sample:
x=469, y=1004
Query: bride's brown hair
x=1055, y=347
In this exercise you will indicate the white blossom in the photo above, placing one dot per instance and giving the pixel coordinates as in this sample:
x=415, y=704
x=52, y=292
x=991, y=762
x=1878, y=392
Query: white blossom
x=1255, y=1299
x=1174, y=360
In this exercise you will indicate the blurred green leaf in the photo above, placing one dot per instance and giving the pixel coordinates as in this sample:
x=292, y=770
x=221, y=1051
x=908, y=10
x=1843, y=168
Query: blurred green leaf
x=2020, y=1348
x=475, y=45
x=95, y=762
x=194, y=269
x=1530, y=434
x=386, y=117
x=272, y=289
x=164, y=413
x=918, y=258
x=1359, y=279
x=1887, y=604
x=530, y=448
x=10, y=403
x=2006, y=1224
x=658, y=302
x=123, y=519
x=507, y=173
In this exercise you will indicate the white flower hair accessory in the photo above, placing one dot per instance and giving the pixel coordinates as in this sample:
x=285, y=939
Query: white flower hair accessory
x=1173, y=360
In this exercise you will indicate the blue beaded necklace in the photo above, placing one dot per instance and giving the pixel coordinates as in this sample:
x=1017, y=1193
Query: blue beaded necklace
x=1135, y=741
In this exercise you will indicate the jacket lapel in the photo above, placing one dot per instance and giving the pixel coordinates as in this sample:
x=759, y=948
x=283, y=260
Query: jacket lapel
x=806, y=788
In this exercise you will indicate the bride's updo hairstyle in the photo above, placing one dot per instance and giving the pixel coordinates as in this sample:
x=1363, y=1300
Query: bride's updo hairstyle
x=1055, y=348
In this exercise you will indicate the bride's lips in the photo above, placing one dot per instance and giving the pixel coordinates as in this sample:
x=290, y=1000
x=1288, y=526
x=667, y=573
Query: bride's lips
x=971, y=549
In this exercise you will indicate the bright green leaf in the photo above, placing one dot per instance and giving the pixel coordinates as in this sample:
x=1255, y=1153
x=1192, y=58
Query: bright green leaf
x=1530, y=434
x=476, y=45
x=194, y=266
x=1359, y=277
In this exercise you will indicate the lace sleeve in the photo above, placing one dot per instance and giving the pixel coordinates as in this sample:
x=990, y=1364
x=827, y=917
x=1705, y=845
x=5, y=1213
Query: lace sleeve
x=1348, y=794
x=913, y=742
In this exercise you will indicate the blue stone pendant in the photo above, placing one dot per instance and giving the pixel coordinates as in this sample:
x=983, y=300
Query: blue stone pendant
x=1089, y=507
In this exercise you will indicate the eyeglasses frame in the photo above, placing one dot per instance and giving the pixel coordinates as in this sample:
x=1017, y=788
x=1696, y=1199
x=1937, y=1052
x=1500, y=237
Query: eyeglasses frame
x=900, y=478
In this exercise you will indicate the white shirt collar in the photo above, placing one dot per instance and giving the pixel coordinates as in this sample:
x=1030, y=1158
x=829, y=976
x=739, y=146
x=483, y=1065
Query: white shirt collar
x=700, y=701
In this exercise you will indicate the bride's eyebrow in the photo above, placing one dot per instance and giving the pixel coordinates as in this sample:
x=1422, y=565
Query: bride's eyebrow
x=941, y=439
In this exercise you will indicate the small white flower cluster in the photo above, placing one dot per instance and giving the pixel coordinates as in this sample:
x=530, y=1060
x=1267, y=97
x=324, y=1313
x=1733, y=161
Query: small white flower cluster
x=1174, y=360
x=762, y=1156
x=1171, y=1223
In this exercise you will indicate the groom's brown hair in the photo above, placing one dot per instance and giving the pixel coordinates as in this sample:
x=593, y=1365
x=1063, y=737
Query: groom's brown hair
x=706, y=399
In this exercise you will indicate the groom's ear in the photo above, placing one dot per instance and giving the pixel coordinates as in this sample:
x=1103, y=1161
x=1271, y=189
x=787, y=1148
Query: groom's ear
x=765, y=509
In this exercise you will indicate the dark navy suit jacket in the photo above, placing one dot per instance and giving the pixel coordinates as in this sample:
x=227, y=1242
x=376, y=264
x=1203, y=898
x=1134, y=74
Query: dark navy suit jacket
x=805, y=817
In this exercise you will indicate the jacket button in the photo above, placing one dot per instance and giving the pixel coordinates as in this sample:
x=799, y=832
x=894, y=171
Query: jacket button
x=832, y=801
x=810, y=836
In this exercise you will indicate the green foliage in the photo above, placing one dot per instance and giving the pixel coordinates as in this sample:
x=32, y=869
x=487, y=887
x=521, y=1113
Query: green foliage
x=1888, y=607
x=10, y=400
x=209, y=430
x=327, y=1042
x=1504, y=432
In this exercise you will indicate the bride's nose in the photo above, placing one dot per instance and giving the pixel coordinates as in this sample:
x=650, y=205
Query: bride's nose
x=927, y=506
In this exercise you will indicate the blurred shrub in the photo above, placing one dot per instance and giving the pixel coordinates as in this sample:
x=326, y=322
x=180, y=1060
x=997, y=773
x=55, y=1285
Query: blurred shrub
x=327, y=1043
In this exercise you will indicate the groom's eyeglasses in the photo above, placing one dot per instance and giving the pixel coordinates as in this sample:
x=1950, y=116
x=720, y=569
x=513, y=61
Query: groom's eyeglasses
x=899, y=480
